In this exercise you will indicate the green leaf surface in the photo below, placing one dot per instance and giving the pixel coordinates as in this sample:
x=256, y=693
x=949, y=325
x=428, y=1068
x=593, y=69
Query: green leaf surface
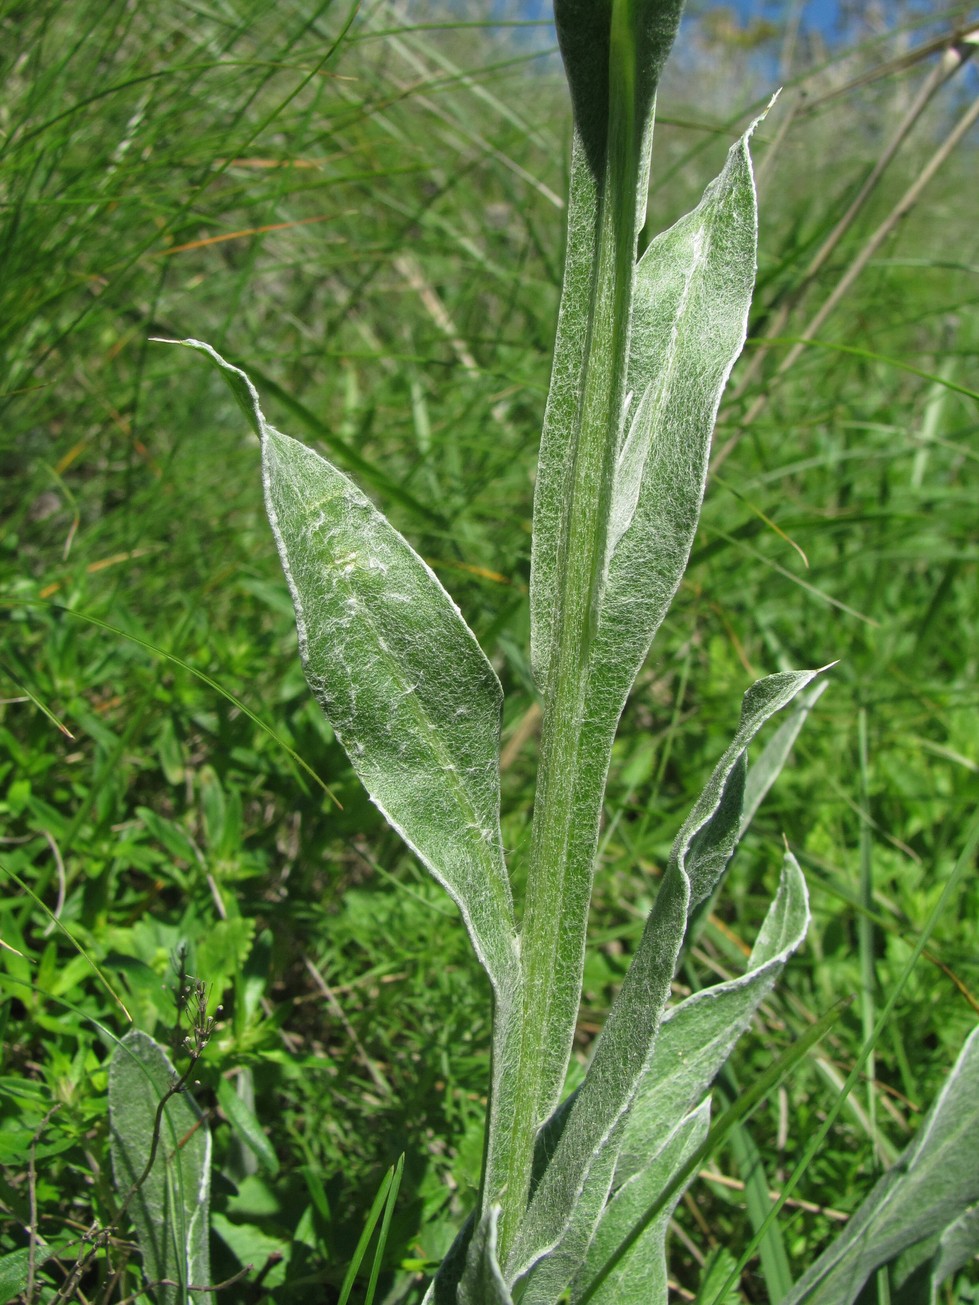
x=761, y=1087
x=692, y=295
x=584, y=34
x=718, y=1268
x=597, y=187
x=169, y=1206
x=773, y=1256
x=957, y=1245
x=640, y=1274
x=244, y=1122
x=627, y=490
x=767, y=766
x=444, y=1287
x=932, y=1190
x=697, y=1036
x=253, y=1247
x=572, y=1190
x=482, y=1281
x=15, y=1268
x=710, y=833
x=399, y=675
x=554, y=463
x=693, y=1042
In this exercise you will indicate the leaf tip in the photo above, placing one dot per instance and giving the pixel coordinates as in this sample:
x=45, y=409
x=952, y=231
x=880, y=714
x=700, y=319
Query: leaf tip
x=241, y=386
x=763, y=115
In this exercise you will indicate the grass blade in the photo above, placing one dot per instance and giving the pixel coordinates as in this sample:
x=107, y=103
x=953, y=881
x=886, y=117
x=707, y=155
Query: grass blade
x=381, y=1208
x=771, y=1250
x=382, y=1237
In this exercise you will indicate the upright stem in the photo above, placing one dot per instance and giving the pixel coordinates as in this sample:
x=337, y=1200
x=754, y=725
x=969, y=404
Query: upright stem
x=570, y=786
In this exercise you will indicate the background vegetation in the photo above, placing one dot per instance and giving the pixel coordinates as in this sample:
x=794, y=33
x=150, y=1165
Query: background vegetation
x=365, y=210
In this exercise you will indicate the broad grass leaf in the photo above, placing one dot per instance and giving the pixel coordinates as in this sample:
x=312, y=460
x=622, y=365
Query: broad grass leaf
x=932, y=1190
x=170, y=1208
x=399, y=675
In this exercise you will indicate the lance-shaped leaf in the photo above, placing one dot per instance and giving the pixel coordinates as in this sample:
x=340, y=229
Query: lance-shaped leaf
x=169, y=1206
x=572, y=1189
x=767, y=766
x=928, y=1193
x=697, y=1036
x=640, y=1274
x=692, y=294
x=585, y=36
x=399, y=675
x=711, y=831
x=608, y=593
x=692, y=1043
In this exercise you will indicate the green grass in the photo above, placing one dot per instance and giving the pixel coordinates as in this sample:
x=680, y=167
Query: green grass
x=393, y=262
